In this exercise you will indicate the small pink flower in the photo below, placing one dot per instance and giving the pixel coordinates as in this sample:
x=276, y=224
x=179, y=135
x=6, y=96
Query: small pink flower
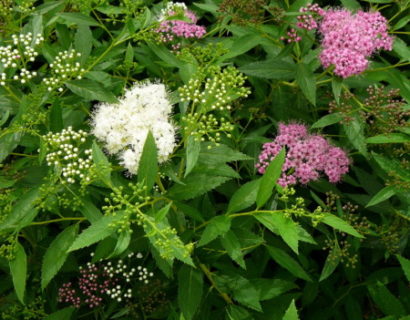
x=306, y=156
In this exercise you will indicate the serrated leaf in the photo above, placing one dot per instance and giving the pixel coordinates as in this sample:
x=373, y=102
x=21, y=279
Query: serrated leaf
x=165, y=55
x=244, y=197
x=56, y=118
x=389, y=138
x=195, y=185
x=216, y=227
x=337, y=88
x=18, y=270
x=231, y=244
x=331, y=263
x=245, y=292
x=83, y=42
x=122, y=244
x=382, y=195
x=401, y=48
x=90, y=90
x=392, y=165
x=291, y=313
x=270, y=69
x=271, y=288
x=340, y=224
x=56, y=254
x=405, y=265
x=78, y=18
x=268, y=181
x=386, y=301
x=102, y=164
x=215, y=155
x=285, y=227
x=98, y=231
x=162, y=213
x=192, y=154
x=354, y=131
x=241, y=45
x=307, y=82
x=148, y=165
x=190, y=284
x=327, y=120
x=287, y=262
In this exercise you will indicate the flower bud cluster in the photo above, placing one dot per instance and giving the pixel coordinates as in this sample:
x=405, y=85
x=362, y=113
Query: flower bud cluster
x=292, y=36
x=310, y=13
x=306, y=156
x=17, y=55
x=65, y=153
x=65, y=66
x=218, y=91
x=98, y=282
x=206, y=127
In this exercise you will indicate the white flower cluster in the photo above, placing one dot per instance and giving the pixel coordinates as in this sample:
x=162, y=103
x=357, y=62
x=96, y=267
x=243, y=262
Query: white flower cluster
x=65, y=67
x=122, y=270
x=19, y=54
x=65, y=153
x=171, y=9
x=124, y=126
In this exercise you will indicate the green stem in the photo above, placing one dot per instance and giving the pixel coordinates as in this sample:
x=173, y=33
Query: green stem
x=12, y=94
x=57, y=220
x=208, y=274
x=389, y=67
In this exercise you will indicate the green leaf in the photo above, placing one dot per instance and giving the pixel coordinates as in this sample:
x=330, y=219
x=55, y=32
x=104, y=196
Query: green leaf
x=216, y=227
x=195, y=185
x=23, y=212
x=291, y=313
x=401, y=23
x=351, y=4
x=190, y=285
x=56, y=118
x=78, y=18
x=102, y=164
x=8, y=142
x=231, y=244
x=337, y=88
x=90, y=211
x=241, y=45
x=122, y=244
x=18, y=269
x=287, y=262
x=215, y=155
x=405, y=265
x=244, y=197
x=90, y=90
x=382, y=195
x=148, y=165
x=327, y=120
x=401, y=48
x=98, y=231
x=56, y=254
x=165, y=55
x=63, y=314
x=307, y=82
x=268, y=181
x=271, y=288
x=162, y=213
x=340, y=224
x=245, y=292
x=389, y=138
x=270, y=69
x=354, y=131
x=332, y=261
x=285, y=227
x=386, y=301
x=83, y=42
x=192, y=154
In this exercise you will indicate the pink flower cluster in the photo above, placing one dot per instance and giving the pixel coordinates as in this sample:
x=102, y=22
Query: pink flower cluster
x=170, y=29
x=307, y=19
x=349, y=39
x=306, y=156
x=93, y=283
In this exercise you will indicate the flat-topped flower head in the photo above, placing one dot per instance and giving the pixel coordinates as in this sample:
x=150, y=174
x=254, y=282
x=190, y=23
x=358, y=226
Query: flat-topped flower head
x=307, y=156
x=124, y=126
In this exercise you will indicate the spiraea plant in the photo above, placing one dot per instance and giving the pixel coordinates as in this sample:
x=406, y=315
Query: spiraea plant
x=204, y=160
